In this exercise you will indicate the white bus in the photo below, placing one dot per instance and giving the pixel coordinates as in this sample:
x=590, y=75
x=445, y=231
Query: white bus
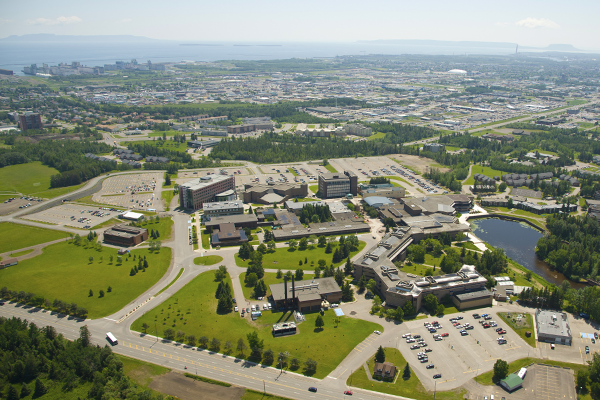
x=111, y=338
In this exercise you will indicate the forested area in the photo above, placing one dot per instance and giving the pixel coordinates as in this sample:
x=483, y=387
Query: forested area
x=39, y=361
x=274, y=148
x=315, y=214
x=67, y=156
x=572, y=247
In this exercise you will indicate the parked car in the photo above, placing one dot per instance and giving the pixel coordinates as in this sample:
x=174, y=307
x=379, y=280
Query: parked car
x=348, y=392
x=377, y=332
x=312, y=389
x=437, y=376
x=429, y=366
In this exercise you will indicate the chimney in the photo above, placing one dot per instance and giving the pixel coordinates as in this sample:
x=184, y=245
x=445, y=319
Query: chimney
x=285, y=290
x=293, y=293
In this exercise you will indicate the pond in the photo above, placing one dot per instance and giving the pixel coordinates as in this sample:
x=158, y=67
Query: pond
x=518, y=241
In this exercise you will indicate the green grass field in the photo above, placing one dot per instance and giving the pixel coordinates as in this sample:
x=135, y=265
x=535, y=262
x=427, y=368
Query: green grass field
x=291, y=171
x=167, y=196
x=378, y=135
x=208, y=260
x=193, y=310
x=63, y=271
x=270, y=278
x=141, y=372
x=330, y=168
x=285, y=258
x=168, y=144
x=254, y=395
x=576, y=102
x=164, y=227
x=410, y=388
x=21, y=253
x=520, y=327
x=32, y=179
x=420, y=269
x=17, y=236
x=205, y=239
x=314, y=188
x=478, y=169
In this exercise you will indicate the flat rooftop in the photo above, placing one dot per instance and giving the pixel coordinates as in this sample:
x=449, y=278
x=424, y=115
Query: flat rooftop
x=223, y=205
x=553, y=323
x=305, y=290
x=205, y=181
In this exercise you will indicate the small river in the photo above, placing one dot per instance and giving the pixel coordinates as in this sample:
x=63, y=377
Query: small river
x=518, y=241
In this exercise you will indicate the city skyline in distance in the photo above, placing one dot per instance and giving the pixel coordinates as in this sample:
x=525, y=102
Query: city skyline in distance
x=530, y=24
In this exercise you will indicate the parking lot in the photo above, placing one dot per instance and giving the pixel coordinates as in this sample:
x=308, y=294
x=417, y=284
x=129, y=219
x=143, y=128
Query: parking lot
x=74, y=215
x=133, y=191
x=460, y=358
x=15, y=203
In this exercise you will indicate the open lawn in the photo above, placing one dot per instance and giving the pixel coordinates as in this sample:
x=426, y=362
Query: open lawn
x=270, y=278
x=420, y=269
x=467, y=245
x=254, y=395
x=208, y=260
x=31, y=179
x=285, y=258
x=193, y=310
x=330, y=168
x=21, y=253
x=291, y=171
x=164, y=226
x=141, y=372
x=205, y=239
x=576, y=102
x=410, y=388
x=520, y=326
x=378, y=135
x=168, y=144
x=478, y=169
x=63, y=271
x=314, y=188
x=17, y=236
x=167, y=196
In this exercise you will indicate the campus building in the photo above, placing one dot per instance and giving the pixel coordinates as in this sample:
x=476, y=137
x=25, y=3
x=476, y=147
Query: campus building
x=553, y=327
x=228, y=234
x=305, y=296
x=125, y=235
x=266, y=125
x=193, y=194
x=30, y=120
x=381, y=190
x=269, y=194
x=223, y=208
x=466, y=288
x=337, y=184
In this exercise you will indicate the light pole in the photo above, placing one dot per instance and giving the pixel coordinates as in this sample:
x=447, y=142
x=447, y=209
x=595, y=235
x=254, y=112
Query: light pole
x=155, y=331
x=434, y=390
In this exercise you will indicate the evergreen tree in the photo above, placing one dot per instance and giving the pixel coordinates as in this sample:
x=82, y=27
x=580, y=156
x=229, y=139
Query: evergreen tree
x=40, y=388
x=406, y=373
x=12, y=393
x=348, y=267
x=380, y=355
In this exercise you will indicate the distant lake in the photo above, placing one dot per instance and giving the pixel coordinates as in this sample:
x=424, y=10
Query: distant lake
x=518, y=241
x=16, y=55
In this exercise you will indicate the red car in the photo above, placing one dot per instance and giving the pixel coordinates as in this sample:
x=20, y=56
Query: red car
x=348, y=392
x=502, y=332
x=486, y=325
x=445, y=334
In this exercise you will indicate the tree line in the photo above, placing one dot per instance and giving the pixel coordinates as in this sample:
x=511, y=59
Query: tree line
x=39, y=360
x=572, y=246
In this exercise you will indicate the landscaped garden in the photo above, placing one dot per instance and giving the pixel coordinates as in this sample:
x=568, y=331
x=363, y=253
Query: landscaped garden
x=521, y=323
x=193, y=310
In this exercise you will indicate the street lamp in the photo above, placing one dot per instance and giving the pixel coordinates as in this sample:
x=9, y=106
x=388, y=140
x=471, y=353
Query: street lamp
x=434, y=390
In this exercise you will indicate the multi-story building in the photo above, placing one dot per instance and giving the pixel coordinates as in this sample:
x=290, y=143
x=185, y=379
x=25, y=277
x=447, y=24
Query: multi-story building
x=358, y=130
x=222, y=208
x=338, y=185
x=193, y=194
x=30, y=120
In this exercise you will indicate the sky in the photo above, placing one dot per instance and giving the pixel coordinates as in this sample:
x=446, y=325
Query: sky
x=526, y=22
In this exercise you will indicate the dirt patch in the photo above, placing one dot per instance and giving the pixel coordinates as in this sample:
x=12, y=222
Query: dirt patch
x=175, y=384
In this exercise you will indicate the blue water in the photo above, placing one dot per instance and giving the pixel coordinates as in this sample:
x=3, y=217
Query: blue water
x=16, y=55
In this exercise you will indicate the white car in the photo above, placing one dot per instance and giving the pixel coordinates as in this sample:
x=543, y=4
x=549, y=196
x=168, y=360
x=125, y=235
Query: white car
x=406, y=335
x=377, y=332
x=235, y=308
x=265, y=306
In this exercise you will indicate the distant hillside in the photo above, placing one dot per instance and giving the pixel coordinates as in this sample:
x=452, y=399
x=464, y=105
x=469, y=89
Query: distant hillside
x=48, y=37
x=553, y=47
x=443, y=43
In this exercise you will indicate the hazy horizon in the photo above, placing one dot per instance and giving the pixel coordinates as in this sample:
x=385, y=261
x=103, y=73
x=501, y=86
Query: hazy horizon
x=533, y=23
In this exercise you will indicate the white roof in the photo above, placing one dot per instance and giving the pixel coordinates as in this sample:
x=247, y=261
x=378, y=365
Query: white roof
x=132, y=215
